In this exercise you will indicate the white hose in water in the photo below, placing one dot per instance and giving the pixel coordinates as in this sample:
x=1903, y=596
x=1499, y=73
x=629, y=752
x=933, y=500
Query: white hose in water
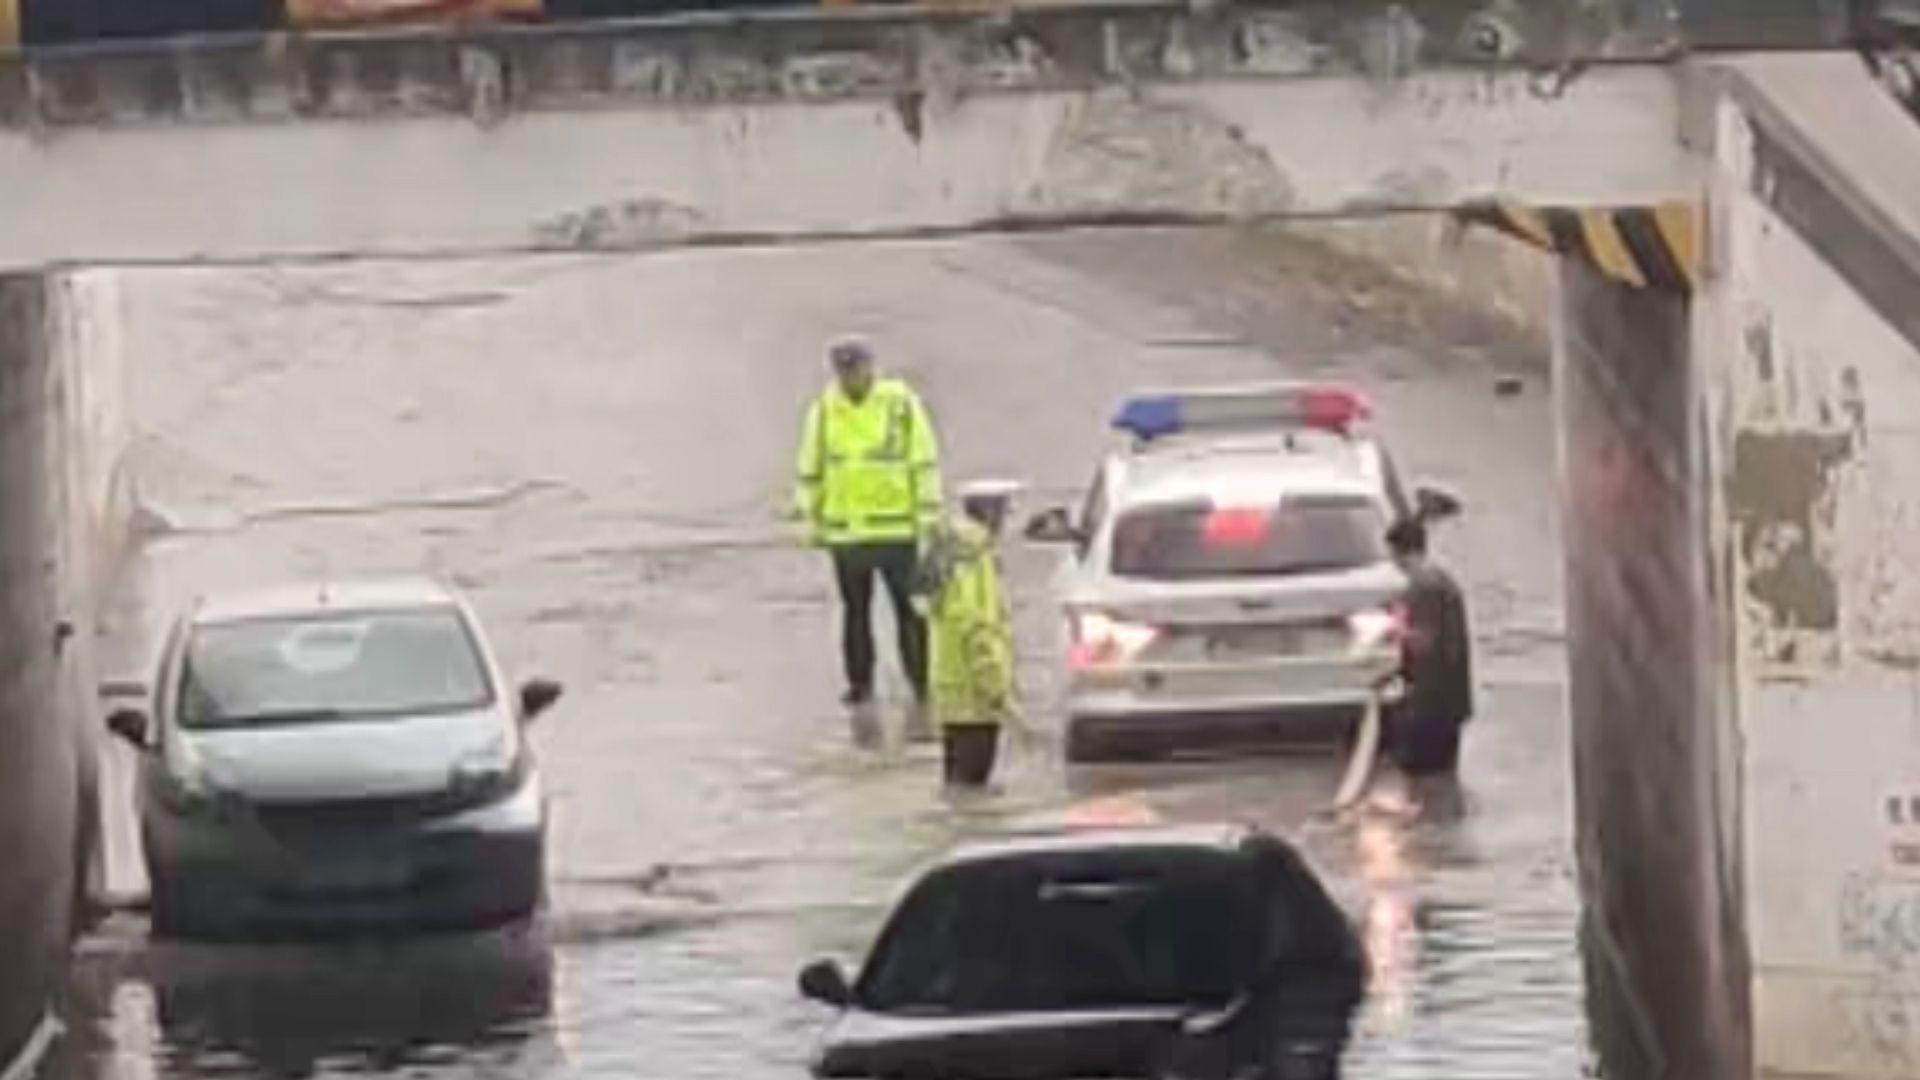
x=1366, y=753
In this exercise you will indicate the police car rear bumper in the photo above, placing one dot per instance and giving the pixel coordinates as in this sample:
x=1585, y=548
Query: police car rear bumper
x=1273, y=688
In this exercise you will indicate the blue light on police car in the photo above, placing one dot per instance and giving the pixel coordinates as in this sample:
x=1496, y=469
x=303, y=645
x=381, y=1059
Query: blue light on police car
x=1149, y=417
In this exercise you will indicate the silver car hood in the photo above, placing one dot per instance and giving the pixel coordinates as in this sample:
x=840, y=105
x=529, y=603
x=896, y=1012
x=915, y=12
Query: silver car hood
x=399, y=756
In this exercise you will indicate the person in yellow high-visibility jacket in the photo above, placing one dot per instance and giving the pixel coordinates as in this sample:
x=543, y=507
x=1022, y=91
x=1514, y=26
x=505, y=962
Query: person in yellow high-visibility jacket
x=972, y=677
x=868, y=491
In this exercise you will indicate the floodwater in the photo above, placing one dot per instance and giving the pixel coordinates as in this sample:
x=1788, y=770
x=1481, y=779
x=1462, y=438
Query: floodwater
x=598, y=450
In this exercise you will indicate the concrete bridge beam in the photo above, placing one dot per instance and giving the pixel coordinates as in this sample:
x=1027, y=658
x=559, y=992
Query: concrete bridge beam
x=707, y=132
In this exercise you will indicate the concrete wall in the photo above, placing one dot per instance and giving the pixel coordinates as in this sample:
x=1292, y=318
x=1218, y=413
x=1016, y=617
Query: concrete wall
x=1665, y=966
x=96, y=513
x=58, y=429
x=1477, y=267
x=1739, y=475
x=1813, y=401
x=40, y=772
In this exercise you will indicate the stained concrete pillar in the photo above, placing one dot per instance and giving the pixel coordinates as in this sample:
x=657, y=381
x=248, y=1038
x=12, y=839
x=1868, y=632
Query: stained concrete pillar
x=63, y=526
x=1665, y=961
x=43, y=759
x=1743, y=575
x=1811, y=386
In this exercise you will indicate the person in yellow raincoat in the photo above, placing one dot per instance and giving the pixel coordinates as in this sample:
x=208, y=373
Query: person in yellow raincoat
x=971, y=673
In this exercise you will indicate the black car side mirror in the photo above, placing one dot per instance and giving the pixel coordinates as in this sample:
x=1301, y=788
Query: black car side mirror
x=1052, y=526
x=824, y=982
x=130, y=725
x=1432, y=503
x=537, y=696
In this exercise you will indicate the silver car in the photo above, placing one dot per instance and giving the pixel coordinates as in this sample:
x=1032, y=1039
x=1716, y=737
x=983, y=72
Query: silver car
x=337, y=756
x=1230, y=579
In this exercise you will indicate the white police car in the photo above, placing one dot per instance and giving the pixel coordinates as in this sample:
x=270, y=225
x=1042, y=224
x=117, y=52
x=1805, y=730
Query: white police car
x=1230, y=578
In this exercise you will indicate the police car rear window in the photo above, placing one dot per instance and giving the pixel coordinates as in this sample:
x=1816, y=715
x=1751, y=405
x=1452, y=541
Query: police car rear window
x=1299, y=535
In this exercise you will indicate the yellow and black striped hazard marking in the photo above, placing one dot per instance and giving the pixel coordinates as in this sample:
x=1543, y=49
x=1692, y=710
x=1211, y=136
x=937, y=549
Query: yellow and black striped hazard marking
x=1646, y=247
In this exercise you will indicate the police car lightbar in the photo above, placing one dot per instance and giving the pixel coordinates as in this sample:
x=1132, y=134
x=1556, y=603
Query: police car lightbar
x=1283, y=406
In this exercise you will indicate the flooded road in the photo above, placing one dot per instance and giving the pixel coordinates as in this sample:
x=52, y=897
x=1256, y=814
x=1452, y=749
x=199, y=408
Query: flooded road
x=599, y=449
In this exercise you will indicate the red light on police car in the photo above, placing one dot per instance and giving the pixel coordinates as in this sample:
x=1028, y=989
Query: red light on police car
x=1333, y=408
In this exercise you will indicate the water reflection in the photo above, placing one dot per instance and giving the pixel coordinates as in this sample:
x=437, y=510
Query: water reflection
x=468, y=1004
x=1388, y=928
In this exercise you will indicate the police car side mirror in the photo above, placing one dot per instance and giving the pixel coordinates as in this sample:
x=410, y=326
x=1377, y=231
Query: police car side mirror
x=1052, y=526
x=1432, y=503
x=130, y=725
x=537, y=696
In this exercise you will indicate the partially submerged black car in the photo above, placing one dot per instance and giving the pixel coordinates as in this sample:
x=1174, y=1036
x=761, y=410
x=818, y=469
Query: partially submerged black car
x=1196, y=953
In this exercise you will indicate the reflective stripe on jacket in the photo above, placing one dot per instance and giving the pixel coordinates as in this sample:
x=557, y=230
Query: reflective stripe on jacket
x=869, y=471
x=970, y=669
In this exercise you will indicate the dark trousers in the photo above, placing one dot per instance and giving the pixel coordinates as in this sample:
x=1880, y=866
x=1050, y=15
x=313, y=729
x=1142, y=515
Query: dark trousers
x=970, y=753
x=854, y=567
x=1424, y=743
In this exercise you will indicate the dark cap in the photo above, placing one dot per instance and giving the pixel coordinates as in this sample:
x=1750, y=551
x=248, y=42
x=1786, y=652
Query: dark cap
x=848, y=353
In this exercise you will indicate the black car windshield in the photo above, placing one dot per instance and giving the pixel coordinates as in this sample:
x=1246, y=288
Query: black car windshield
x=1296, y=535
x=1015, y=936
x=336, y=666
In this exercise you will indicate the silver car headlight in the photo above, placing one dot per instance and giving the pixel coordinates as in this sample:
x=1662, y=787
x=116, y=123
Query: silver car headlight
x=490, y=772
x=189, y=792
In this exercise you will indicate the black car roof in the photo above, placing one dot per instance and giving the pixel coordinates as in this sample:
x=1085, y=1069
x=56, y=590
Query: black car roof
x=1221, y=839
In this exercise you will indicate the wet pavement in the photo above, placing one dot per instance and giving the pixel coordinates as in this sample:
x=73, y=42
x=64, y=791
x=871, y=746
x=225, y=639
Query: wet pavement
x=599, y=449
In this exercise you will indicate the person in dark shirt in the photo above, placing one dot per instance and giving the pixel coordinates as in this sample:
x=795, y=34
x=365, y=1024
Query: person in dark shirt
x=1425, y=734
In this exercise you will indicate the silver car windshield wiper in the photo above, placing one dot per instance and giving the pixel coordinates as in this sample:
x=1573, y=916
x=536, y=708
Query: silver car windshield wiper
x=278, y=718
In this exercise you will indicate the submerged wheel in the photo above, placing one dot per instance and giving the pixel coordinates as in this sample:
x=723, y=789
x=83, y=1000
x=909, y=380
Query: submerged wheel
x=1090, y=741
x=1086, y=743
x=167, y=917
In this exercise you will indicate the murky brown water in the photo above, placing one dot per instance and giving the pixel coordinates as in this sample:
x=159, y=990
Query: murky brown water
x=597, y=448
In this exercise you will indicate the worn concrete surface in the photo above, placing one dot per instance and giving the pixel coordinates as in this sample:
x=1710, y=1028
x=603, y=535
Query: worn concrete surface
x=596, y=448
x=1665, y=955
x=1808, y=412
x=715, y=129
x=1478, y=269
x=45, y=771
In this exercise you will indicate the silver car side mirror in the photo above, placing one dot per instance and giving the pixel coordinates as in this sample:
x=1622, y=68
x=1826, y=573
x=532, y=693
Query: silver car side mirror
x=537, y=696
x=130, y=725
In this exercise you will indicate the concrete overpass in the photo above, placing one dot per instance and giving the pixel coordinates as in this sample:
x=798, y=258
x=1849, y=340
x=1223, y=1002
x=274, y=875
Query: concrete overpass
x=1737, y=462
x=715, y=129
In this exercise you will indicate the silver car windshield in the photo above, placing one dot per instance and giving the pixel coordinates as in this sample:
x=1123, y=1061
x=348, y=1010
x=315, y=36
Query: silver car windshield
x=1297, y=535
x=336, y=666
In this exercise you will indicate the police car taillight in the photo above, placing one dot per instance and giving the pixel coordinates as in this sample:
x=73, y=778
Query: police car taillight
x=1374, y=628
x=1099, y=638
